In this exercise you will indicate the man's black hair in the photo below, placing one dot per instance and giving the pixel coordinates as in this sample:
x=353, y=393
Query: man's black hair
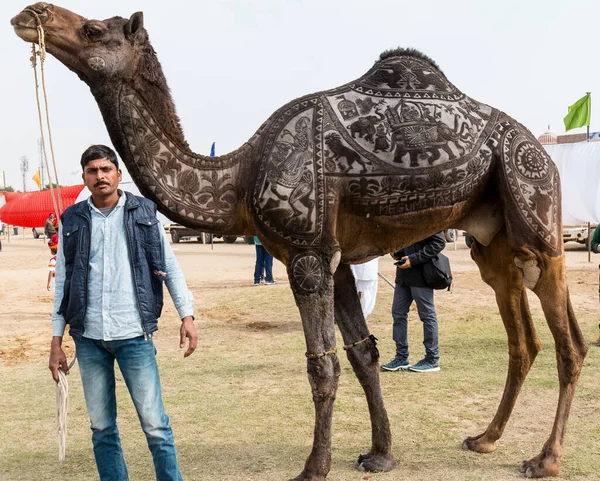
x=95, y=152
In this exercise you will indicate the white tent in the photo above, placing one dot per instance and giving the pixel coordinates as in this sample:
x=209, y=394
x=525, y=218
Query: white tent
x=579, y=167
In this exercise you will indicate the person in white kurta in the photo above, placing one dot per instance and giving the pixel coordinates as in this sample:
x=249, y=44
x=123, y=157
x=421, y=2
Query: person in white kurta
x=366, y=284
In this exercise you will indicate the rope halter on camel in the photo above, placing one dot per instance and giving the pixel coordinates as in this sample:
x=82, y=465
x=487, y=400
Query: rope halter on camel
x=62, y=387
x=41, y=52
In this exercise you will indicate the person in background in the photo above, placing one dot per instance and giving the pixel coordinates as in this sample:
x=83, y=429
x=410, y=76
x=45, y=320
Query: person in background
x=264, y=263
x=411, y=286
x=112, y=262
x=596, y=240
x=366, y=276
x=594, y=248
x=50, y=226
x=51, y=269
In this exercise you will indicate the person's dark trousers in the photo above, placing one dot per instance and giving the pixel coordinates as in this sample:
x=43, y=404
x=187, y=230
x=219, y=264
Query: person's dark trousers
x=264, y=260
x=259, y=264
x=423, y=297
x=268, y=267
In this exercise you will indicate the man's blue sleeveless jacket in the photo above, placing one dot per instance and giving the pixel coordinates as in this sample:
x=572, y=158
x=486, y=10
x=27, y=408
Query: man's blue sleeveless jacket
x=145, y=257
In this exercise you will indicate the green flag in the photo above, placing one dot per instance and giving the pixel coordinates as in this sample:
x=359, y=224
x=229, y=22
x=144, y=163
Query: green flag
x=579, y=113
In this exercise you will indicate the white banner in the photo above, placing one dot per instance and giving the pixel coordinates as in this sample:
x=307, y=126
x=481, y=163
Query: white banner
x=579, y=167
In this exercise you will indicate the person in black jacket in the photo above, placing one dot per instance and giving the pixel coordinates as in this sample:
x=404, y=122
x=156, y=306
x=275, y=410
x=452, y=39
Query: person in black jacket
x=410, y=285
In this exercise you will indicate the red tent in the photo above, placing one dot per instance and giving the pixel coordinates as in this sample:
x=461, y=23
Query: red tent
x=31, y=209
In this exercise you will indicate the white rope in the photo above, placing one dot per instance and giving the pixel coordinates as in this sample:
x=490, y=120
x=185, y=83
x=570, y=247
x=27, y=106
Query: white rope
x=42, y=54
x=37, y=97
x=62, y=407
x=42, y=59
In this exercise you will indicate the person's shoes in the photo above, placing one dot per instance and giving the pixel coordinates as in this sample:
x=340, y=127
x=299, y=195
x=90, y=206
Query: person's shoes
x=396, y=365
x=257, y=283
x=270, y=283
x=425, y=366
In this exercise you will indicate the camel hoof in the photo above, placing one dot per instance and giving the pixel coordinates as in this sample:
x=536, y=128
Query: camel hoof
x=479, y=444
x=376, y=463
x=536, y=468
x=306, y=477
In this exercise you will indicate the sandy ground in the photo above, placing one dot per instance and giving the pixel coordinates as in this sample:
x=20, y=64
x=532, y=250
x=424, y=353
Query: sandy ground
x=25, y=327
x=238, y=327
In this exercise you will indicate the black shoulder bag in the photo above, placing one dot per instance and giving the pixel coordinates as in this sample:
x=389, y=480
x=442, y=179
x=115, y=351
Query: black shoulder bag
x=437, y=272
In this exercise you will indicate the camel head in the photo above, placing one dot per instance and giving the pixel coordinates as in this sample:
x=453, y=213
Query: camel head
x=96, y=50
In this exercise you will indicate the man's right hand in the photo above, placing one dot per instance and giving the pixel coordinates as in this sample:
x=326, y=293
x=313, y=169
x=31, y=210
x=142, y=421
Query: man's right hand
x=58, y=358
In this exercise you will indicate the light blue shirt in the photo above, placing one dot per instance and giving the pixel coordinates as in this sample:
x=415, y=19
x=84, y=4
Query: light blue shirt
x=112, y=309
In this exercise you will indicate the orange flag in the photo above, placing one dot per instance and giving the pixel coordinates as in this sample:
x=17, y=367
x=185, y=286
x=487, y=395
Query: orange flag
x=36, y=178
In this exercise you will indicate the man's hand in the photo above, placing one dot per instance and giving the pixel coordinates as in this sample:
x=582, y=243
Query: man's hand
x=405, y=264
x=58, y=358
x=188, y=329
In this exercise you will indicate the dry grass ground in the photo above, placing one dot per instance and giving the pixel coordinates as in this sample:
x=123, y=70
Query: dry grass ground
x=241, y=407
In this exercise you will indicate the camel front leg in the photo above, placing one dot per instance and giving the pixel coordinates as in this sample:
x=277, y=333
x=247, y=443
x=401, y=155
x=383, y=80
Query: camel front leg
x=363, y=355
x=311, y=279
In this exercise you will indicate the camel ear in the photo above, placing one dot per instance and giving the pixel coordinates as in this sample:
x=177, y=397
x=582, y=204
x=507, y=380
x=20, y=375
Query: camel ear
x=134, y=28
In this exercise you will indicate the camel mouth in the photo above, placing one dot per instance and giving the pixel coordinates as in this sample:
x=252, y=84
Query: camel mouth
x=25, y=23
x=28, y=34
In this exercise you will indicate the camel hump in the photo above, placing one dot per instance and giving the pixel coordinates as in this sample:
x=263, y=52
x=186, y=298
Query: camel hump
x=407, y=73
x=530, y=188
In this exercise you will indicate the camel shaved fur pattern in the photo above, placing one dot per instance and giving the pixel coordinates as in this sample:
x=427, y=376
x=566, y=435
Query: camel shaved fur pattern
x=342, y=176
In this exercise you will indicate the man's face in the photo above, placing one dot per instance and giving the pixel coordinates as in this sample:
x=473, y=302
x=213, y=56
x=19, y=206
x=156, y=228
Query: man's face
x=51, y=216
x=101, y=177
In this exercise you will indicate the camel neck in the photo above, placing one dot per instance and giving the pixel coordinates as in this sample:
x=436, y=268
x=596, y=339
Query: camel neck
x=199, y=191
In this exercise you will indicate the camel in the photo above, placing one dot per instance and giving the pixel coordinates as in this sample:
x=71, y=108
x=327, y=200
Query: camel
x=490, y=178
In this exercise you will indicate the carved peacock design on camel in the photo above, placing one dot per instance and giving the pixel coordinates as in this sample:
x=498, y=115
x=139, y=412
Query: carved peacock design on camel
x=339, y=177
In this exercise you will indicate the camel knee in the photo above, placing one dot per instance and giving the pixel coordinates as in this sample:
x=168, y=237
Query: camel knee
x=570, y=362
x=521, y=360
x=323, y=374
x=365, y=354
x=364, y=359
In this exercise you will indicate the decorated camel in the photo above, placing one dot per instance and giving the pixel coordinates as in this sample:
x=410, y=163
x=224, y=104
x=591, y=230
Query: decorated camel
x=339, y=177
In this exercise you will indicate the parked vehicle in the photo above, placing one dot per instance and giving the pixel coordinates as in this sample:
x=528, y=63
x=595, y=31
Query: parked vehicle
x=179, y=233
x=578, y=234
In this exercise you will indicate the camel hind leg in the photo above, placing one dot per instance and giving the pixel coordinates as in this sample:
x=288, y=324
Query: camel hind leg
x=497, y=269
x=363, y=355
x=571, y=349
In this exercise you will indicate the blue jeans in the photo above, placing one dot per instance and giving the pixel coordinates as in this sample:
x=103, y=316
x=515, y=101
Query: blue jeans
x=423, y=297
x=137, y=361
x=264, y=260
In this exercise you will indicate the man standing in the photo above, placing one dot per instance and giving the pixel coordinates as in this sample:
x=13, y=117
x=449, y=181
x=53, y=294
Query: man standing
x=410, y=285
x=112, y=260
x=263, y=266
x=49, y=229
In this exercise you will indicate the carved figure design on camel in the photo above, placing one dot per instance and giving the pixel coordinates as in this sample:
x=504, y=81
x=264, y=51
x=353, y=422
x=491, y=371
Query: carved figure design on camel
x=321, y=198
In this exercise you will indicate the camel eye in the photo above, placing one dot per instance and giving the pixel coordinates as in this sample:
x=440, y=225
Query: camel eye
x=93, y=31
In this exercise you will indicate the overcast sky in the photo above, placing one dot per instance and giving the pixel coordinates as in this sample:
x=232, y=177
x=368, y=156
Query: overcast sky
x=231, y=63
